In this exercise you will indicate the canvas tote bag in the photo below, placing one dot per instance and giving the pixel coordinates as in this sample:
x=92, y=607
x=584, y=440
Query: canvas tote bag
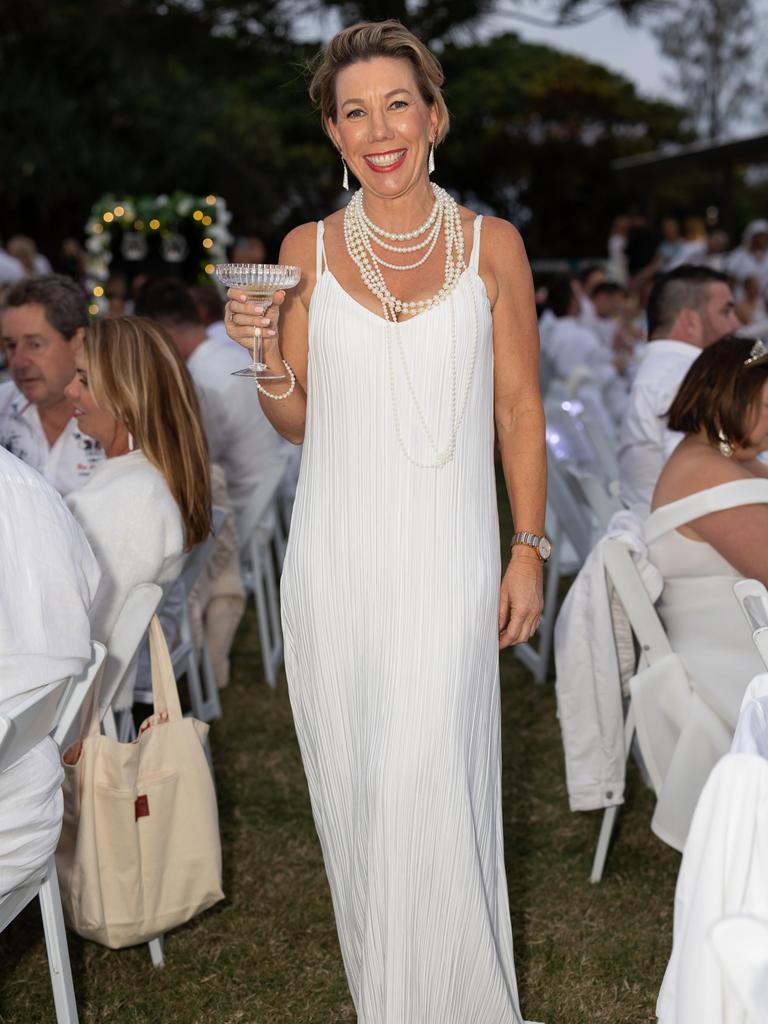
x=139, y=851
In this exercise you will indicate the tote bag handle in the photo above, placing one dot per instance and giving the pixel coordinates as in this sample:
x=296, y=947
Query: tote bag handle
x=165, y=694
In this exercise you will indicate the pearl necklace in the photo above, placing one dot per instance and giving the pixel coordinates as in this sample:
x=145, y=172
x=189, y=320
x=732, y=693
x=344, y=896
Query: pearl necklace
x=360, y=235
x=443, y=456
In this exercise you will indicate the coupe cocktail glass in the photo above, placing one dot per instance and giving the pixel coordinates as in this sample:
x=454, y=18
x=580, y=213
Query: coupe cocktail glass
x=259, y=281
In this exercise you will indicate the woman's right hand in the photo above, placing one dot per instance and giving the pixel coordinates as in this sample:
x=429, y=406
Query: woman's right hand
x=245, y=321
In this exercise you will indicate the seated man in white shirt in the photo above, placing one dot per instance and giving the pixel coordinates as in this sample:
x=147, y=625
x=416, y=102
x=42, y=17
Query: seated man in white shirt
x=48, y=579
x=689, y=308
x=42, y=322
x=240, y=437
x=569, y=343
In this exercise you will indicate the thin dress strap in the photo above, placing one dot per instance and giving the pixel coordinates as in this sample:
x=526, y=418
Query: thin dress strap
x=322, y=262
x=474, y=256
x=672, y=516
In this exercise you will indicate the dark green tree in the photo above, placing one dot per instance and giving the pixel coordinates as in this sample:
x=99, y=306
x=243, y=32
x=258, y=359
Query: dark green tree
x=534, y=132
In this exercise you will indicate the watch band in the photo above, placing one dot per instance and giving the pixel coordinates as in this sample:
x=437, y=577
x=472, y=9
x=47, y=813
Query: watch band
x=540, y=545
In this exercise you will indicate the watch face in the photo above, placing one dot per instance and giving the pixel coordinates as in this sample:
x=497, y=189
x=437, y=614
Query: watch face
x=545, y=548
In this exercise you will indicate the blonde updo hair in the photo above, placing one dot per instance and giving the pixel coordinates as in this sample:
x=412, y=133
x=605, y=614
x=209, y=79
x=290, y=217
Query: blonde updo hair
x=136, y=374
x=378, y=39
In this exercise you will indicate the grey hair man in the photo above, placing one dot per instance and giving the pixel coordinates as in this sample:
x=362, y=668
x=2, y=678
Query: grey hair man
x=688, y=309
x=42, y=322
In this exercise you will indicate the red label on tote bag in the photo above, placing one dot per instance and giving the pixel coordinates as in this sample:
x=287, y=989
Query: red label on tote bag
x=141, y=807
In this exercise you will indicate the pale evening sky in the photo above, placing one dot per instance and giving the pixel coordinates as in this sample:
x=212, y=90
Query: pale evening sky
x=628, y=49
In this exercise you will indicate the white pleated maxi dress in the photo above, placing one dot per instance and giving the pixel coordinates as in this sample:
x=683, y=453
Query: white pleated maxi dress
x=390, y=603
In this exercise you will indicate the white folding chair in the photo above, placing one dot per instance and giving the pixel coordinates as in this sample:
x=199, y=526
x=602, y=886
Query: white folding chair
x=753, y=599
x=593, y=446
x=572, y=533
x=592, y=491
x=46, y=711
x=653, y=646
x=122, y=647
x=262, y=552
x=201, y=680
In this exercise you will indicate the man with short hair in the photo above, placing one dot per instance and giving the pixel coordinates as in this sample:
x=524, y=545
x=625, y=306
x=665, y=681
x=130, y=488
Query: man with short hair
x=689, y=308
x=42, y=323
x=240, y=437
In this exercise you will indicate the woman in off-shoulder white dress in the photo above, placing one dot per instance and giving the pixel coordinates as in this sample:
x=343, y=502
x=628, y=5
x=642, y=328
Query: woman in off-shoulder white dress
x=708, y=528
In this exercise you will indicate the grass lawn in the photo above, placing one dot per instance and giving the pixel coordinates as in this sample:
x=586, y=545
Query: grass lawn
x=268, y=954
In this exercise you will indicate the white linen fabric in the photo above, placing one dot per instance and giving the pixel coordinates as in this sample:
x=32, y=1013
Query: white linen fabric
x=751, y=735
x=240, y=437
x=390, y=600
x=645, y=441
x=742, y=264
x=710, y=635
x=67, y=464
x=11, y=270
x=135, y=529
x=724, y=872
x=594, y=656
x=571, y=345
x=48, y=579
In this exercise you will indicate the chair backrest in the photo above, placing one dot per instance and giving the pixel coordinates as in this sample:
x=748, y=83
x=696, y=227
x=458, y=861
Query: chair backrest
x=753, y=598
x=50, y=709
x=68, y=725
x=29, y=722
x=593, y=492
x=643, y=617
x=131, y=625
x=198, y=556
x=574, y=519
x=261, y=499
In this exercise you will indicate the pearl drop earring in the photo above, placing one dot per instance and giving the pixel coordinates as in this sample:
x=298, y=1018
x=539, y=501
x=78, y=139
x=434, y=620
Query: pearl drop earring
x=345, y=179
x=431, y=164
x=130, y=441
x=725, y=446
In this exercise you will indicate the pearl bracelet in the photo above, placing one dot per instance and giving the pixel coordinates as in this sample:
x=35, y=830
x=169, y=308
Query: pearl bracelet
x=288, y=393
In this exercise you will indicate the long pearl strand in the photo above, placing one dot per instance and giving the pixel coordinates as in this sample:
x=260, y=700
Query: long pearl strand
x=360, y=235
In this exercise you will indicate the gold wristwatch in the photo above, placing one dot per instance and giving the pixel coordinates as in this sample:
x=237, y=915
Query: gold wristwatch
x=540, y=545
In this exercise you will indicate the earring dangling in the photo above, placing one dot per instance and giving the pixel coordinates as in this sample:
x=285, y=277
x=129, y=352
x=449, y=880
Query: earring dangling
x=725, y=446
x=431, y=164
x=130, y=441
x=345, y=179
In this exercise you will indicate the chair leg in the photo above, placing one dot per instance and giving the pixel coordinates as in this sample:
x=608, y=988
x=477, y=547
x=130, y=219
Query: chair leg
x=537, y=660
x=610, y=814
x=262, y=612
x=212, y=704
x=56, y=945
x=156, y=951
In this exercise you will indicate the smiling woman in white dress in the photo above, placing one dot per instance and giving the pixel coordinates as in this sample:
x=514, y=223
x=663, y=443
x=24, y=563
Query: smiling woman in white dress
x=400, y=353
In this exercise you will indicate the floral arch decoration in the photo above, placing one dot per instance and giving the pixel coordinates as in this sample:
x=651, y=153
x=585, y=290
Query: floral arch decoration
x=178, y=229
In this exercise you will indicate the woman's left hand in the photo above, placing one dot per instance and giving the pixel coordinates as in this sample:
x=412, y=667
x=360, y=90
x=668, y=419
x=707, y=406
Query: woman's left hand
x=521, y=598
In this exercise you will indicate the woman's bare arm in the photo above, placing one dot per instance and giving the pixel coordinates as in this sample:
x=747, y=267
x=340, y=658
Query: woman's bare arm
x=519, y=422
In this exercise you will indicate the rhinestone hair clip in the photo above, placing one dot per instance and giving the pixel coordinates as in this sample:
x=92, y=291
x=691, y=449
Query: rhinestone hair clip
x=758, y=351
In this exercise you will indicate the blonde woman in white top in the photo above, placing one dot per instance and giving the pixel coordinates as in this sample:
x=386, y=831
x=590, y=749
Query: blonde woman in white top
x=708, y=528
x=149, y=501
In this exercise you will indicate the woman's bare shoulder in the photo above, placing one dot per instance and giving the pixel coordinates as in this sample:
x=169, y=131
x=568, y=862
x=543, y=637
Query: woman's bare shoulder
x=692, y=468
x=299, y=245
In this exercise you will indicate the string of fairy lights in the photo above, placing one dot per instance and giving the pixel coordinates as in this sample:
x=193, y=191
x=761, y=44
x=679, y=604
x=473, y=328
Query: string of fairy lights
x=134, y=223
